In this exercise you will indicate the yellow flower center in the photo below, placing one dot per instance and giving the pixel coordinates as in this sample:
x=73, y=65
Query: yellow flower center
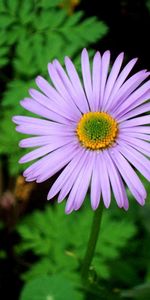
x=97, y=130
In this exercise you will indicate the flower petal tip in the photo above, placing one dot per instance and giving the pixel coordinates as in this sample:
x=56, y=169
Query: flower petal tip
x=21, y=160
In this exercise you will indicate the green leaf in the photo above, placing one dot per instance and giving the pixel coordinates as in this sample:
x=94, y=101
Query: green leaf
x=26, y=11
x=13, y=6
x=30, y=37
x=54, y=287
x=49, y=4
x=3, y=61
x=5, y=20
x=46, y=239
x=2, y=6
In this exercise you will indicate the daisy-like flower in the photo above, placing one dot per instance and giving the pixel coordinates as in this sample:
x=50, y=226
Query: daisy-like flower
x=95, y=131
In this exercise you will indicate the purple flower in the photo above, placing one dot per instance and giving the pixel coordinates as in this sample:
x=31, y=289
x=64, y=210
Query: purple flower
x=95, y=132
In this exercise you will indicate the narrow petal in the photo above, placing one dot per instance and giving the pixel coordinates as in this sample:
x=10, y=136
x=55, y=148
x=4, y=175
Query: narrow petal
x=115, y=180
x=136, y=135
x=44, y=150
x=86, y=73
x=127, y=88
x=73, y=191
x=112, y=78
x=51, y=93
x=39, y=167
x=36, y=168
x=120, y=80
x=135, y=122
x=34, y=107
x=104, y=74
x=56, y=163
x=135, y=112
x=82, y=105
x=41, y=141
x=135, y=99
x=62, y=114
x=56, y=129
x=75, y=174
x=137, y=129
x=96, y=80
x=130, y=177
x=75, y=80
x=140, y=162
x=95, y=185
x=23, y=120
x=141, y=146
x=65, y=175
x=80, y=187
x=104, y=179
x=84, y=182
x=62, y=90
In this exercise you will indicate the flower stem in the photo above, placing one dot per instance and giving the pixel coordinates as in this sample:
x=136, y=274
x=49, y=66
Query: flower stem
x=92, y=242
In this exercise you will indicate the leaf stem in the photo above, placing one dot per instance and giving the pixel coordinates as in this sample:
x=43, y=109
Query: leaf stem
x=95, y=228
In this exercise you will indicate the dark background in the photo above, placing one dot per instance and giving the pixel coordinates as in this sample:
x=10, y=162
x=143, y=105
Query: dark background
x=129, y=25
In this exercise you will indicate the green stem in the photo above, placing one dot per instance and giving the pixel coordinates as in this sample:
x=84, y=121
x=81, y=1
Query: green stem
x=92, y=242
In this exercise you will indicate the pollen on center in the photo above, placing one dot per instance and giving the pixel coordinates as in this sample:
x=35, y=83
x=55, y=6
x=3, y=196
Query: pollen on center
x=97, y=130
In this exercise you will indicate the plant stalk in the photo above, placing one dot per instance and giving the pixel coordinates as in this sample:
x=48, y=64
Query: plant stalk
x=95, y=228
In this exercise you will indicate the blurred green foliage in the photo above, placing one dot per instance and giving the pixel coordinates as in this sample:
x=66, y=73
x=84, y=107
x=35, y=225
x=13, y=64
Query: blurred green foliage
x=32, y=33
x=64, y=255
x=57, y=243
x=51, y=288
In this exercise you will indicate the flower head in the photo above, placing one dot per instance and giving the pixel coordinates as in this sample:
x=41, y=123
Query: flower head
x=94, y=132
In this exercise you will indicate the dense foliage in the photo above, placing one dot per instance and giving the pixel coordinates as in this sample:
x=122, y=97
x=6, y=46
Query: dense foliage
x=30, y=37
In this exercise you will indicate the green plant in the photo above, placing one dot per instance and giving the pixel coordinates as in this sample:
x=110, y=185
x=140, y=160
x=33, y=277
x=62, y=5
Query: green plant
x=30, y=37
x=58, y=241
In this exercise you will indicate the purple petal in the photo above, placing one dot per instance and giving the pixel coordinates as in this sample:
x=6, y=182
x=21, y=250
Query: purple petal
x=31, y=105
x=135, y=112
x=40, y=141
x=127, y=88
x=23, y=120
x=69, y=184
x=135, y=99
x=81, y=185
x=80, y=103
x=66, y=174
x=85, y=64
x=95, y=185
x=96, y=80
x=44, y=150
x=120, y=80
x=126, y=133
x=141, y=146
x=137, y=129
x=74, y=78
x=52, y=94
x=135, y=122
x=63, y=114
x=112, y=79
x=53, y=129
x=59, y=85
x=48, y=165
x=104, y=179
x=104, y=74
x=130, y=177
x=56, y=162
x=84, y=183
x=115, y=180
x=140, y=162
